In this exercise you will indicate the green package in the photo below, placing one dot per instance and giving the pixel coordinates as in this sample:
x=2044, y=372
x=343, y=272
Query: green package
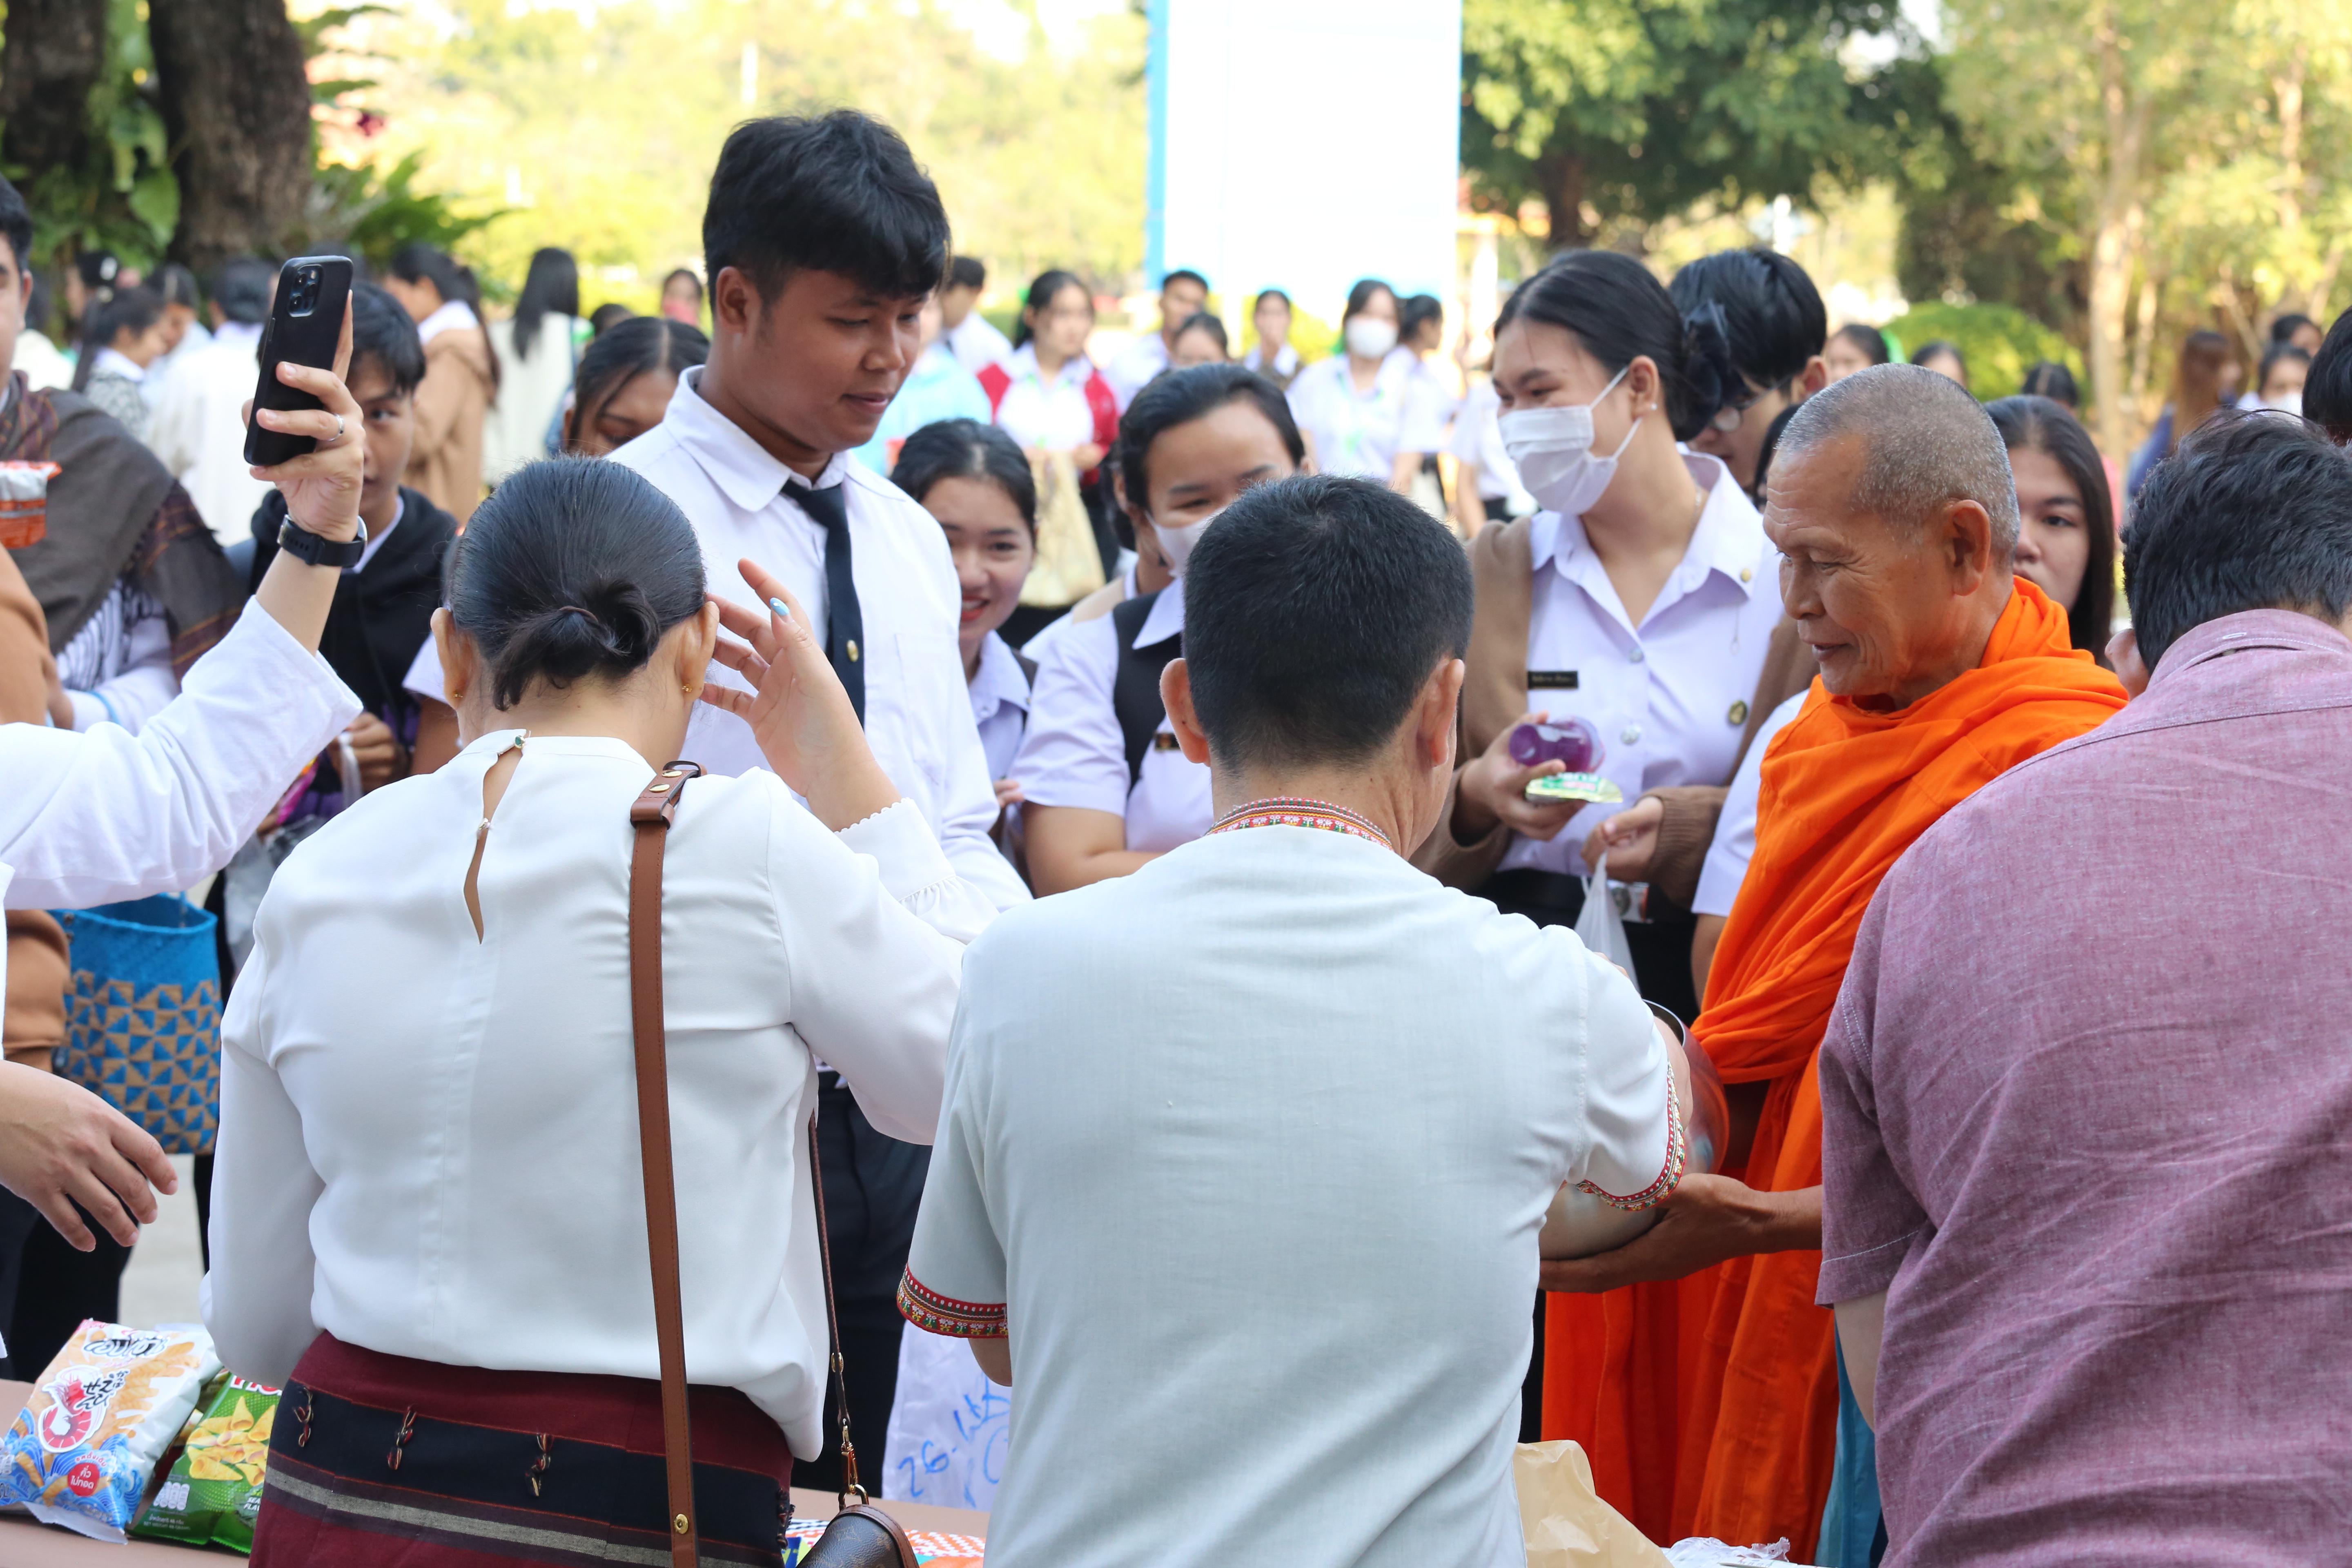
x=214, y=1490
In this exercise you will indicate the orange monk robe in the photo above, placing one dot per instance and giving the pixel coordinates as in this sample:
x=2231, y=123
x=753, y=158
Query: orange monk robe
x=1718, y=1393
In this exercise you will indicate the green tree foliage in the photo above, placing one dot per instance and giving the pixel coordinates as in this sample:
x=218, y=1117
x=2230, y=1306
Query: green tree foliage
x=1637, y=109
x=120, y=195
x=601, y=134
x=1999, y=342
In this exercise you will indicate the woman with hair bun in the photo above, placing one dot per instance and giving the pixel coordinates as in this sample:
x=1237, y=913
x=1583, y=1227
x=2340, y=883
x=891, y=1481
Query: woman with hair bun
x=428, y=1205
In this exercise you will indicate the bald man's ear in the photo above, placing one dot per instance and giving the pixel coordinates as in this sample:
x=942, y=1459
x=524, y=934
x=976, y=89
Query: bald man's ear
x=1967, y=545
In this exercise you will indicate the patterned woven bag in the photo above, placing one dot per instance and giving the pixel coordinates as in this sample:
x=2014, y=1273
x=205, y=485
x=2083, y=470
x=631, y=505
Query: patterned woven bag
x=143, y=1015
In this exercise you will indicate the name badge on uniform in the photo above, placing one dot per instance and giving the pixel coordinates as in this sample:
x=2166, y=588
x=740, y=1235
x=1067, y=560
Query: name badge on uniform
x=1552, y=680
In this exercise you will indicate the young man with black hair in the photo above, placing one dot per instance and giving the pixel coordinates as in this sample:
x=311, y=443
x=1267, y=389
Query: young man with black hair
x=383, y=607
x=1183, y=293
x=198, y=428
x=1777, y=328
x=972, y=337
x=822, y=240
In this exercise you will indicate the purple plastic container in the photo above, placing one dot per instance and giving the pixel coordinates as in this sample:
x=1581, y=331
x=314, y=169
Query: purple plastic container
x=1572, y=743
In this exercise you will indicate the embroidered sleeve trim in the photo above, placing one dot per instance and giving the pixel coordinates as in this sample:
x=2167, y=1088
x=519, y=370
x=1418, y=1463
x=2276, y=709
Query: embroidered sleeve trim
x=1677, y=1152
x=937, y=1314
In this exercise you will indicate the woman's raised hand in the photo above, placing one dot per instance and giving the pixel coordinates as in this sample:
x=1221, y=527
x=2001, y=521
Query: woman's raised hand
x=798, y=711
x=323, y=486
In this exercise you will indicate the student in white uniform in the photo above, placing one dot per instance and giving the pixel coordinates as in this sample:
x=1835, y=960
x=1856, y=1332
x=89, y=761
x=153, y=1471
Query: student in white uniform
x=1372, y=412
x=1105, y=785
x=1183, y=295
x=972, y=337
x=974, y=479
x=1486, y=486
x=1648, y=589
x=1273, y=356
x=1734, y=846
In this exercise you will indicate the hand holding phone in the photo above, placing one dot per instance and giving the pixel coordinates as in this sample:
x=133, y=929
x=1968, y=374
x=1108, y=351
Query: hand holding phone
x=321, y=483
x=305, y=322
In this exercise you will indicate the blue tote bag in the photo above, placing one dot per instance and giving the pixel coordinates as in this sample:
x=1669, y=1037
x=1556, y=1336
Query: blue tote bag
x=143, y=1015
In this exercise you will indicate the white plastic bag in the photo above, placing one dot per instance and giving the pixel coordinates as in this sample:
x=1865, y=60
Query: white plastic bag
x=1601, y=926
x=949, y=1427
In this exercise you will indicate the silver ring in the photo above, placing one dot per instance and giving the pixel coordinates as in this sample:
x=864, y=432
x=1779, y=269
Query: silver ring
x=339, y=431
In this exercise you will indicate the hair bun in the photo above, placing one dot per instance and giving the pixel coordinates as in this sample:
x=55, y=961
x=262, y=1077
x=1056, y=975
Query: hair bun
x=1707, y=368
x=615, y=631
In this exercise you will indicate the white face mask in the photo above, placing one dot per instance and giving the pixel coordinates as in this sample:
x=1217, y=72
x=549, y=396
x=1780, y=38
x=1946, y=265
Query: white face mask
x=1177, y=544
x=1369, y=337
x=1552, y=449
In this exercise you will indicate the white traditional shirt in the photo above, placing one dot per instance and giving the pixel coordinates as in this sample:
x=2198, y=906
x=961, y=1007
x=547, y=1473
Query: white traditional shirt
x=976, y=344
x=98, y=817
x=1075, y=753
x=1668, y=698
x=1038, y=413
x=1193, y=1157
x=198, y=429
x=918, y=713
x=451, y=1171
x=1132, y=368
x=1000, y=704
x=1734, y=829
x=1360, y=434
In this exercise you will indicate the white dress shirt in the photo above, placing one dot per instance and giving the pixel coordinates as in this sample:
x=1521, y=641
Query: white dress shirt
x=1074, y=753
x=1285, y=362
x=1360, y=434
x=1668, y=698
x=1132, y=368
x=1053, y=415
x=449, y=317
x=1246, y=1240
x=976, y=344
x=450, y=1168
x=93, y=818
x=918, y=713
x=1734, y=829
x=1478, y=438
x=1000, y=704
x=198, y=429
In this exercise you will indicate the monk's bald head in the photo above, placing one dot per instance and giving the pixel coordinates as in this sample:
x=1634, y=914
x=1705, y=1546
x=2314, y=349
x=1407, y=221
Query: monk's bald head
x=1891, y=502
x=1924, y=443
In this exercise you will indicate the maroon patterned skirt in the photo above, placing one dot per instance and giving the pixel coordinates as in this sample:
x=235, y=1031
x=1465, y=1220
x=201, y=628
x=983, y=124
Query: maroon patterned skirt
x=379, y=1461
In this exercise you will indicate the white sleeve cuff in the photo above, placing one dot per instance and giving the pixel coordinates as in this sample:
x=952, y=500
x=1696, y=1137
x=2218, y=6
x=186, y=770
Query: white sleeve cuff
x=900, y=844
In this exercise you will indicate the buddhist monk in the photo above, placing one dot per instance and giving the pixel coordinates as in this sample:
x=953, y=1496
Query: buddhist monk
x=1704, y=1381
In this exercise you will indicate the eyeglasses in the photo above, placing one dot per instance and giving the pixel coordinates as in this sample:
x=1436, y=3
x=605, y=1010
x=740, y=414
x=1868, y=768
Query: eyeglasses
x=1732, y=414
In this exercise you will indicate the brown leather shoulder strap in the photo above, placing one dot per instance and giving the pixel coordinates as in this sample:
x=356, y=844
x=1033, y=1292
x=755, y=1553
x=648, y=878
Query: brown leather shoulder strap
x=651, y=814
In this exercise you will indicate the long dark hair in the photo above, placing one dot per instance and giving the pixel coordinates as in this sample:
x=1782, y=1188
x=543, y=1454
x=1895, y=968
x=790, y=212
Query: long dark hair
x=573, y=568
x=620, y=354
x=1182, y=396
x=552, y=284
x=2042, y=425
x=1042, y=289
x=967, y=450
x=130, y=310
x=1619, y=311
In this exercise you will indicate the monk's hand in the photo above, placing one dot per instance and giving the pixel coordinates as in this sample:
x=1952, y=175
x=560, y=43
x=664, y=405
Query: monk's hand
x=1629, y=838
x=1705, y=1221
x=1493, y=788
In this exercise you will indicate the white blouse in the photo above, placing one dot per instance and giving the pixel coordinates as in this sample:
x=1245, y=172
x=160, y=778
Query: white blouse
x=428, y=1141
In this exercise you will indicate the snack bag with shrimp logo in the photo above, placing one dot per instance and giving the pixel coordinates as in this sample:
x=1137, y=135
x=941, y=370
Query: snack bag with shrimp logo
x=82, y=1450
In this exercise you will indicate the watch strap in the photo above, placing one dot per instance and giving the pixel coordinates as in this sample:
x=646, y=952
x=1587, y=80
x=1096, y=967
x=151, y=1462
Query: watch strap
x=311, y=549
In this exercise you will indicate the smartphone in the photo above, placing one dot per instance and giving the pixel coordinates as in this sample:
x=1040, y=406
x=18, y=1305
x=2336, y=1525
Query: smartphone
x=306, y=323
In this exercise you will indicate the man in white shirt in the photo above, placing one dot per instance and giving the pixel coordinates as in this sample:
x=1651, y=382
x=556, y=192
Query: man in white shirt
x=1182, y=293
x=972, y=337
x=822, y=241
x=198, y=428
x=1251, y=1223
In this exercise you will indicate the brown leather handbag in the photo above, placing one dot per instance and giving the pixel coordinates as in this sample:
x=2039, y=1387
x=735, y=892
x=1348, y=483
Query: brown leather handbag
x=860, y=1535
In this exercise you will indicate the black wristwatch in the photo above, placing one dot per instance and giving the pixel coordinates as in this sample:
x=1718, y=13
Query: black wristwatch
x=312, y=550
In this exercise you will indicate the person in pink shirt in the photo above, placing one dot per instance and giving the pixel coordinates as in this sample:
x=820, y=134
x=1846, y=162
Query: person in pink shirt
x=2088, y=1213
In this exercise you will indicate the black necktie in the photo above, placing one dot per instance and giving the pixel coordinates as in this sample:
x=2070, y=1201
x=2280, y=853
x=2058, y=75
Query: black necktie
x=844, y=623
